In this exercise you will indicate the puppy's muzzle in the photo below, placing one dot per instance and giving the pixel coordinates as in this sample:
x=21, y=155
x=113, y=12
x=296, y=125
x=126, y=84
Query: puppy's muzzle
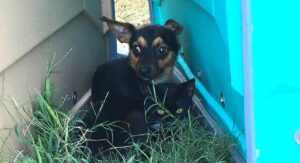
x=145, y=73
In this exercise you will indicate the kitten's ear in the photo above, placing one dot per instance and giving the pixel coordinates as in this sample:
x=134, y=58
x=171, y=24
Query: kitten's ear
x=190, y=87
x=174, y=26
x=122, y=31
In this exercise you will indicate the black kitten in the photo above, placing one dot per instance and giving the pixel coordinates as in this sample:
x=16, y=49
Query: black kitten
x=133, y=117
x=175, y=103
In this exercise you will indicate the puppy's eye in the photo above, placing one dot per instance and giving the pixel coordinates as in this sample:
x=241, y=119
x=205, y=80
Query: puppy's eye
x=160, y=112
x=162, y=50
x=137, y=49
x=180, y=110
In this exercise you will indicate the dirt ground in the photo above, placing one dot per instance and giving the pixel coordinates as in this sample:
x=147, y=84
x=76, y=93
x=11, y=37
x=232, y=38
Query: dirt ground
x=133, y=11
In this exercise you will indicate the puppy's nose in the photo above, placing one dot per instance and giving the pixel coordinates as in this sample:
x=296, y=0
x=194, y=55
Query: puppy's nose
x=145, y=72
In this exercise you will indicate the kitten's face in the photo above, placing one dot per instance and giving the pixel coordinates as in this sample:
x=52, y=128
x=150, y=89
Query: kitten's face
x=175, y=99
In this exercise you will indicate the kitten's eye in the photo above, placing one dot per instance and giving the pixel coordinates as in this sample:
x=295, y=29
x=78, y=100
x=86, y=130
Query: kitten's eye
x=160, y=112
x=180, y=110
x=162, y=50
x=137, y=49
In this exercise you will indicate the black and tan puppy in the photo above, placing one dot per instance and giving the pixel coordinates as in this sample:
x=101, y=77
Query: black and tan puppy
x=153, y=51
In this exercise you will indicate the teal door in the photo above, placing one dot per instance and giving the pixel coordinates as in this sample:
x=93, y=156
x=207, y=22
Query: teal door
x=276, y=74
x=212, y=46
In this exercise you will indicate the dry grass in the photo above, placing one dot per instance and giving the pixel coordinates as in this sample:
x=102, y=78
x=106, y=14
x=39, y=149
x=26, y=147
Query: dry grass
x=133, y=11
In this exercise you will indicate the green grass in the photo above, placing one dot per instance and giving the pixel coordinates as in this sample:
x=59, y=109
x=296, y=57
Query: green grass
x=52, y=136
x=184, y=141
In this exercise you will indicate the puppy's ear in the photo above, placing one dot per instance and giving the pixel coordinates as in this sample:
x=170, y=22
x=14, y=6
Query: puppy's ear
x=122, y=31
x=174, y=26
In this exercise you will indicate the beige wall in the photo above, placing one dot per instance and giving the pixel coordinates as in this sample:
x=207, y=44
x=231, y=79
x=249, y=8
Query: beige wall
x=32, y=31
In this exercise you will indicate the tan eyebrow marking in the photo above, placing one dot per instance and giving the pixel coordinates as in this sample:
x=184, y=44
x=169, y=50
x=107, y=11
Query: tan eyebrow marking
x=157, y=41
x=141, y=40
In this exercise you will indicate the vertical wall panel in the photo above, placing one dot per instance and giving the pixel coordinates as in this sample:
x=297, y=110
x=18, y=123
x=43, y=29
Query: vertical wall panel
x=25, y=23
x=33, y=32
